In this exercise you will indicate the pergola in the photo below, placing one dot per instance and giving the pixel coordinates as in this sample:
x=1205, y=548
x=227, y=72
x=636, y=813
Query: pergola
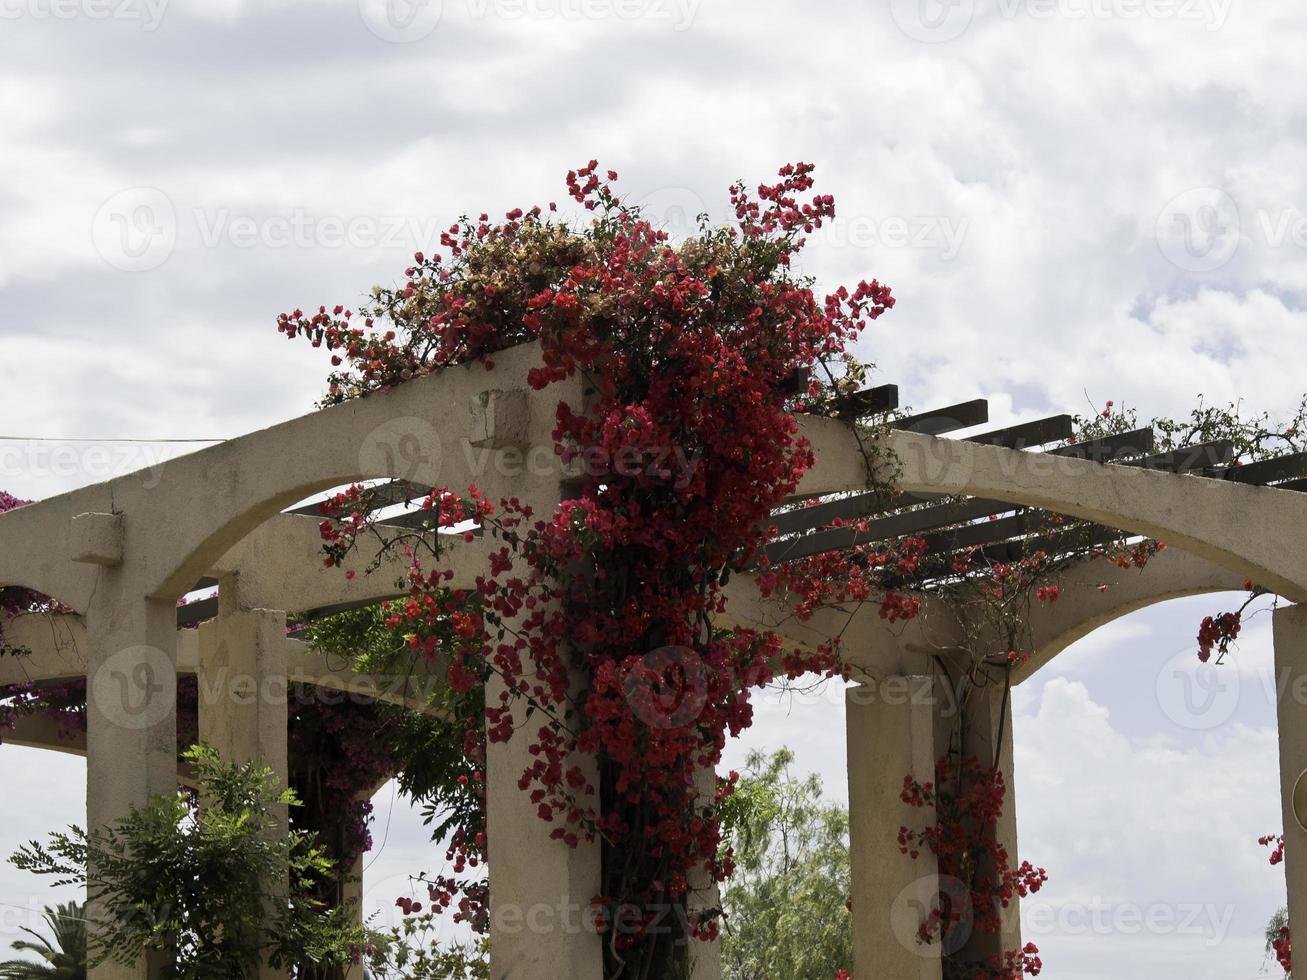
x=119, y=556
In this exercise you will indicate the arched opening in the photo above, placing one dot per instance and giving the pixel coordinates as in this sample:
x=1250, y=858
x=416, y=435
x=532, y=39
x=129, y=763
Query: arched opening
x=1144, y=779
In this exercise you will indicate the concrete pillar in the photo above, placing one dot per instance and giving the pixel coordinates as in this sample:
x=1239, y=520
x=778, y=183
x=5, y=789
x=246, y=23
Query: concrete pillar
x=131, y=716
x=705, y=957
x=242, y=704
x=1290, y=625
x=888, y=738
x=351, y=894
x=540, y=889
x=989, y=709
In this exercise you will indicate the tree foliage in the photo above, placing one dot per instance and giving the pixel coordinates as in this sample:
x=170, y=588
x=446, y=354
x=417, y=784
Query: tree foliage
x=190, y=880
x=62, y=956
x=787, y=903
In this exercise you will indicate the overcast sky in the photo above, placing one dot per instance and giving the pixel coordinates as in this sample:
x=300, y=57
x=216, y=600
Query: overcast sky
x=1074, y=200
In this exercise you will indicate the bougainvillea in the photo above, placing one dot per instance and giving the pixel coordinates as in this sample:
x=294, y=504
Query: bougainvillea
x=601, y=613
x=13, y=601
x=967, y=799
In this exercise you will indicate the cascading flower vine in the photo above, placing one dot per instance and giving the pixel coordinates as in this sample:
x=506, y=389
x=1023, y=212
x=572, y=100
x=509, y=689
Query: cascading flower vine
x=601, y=614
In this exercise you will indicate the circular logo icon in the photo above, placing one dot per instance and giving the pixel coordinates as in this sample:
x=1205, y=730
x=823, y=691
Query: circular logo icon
x=1198, y=231
x=135, y=688
x=917, y=911
x=1195, y=695
x=933, y=21
x=667, y=687
x=136, y=229
x=674, y=210
x=405, y=448
x=401, y=21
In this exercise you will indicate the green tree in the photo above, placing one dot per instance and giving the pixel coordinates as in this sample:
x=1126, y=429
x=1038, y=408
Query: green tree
x=787, y=903
x=189, y=882
x=63, y=956
x=1277, y=940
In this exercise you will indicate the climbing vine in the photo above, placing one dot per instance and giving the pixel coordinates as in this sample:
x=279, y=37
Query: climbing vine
x=595, y=617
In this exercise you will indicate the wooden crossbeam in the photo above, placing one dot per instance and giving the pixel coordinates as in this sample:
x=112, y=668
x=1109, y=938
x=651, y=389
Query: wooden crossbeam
x=1270, y=470
x=948, y=419
x=1109, y=448
x=197, y=612
x=1203, y=456
x=1040, y=432
x=984, y=532
x=1053, y=544
x=869, y=401
x=386, y=495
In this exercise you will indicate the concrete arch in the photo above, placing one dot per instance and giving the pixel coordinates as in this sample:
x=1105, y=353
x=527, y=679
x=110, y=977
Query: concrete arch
x=180, y=518
x=1084, y=606
x=36, y=551
x=423, y=431
x=1239, y=527
x=58, y=645
x=59, y=652
x=279, y=566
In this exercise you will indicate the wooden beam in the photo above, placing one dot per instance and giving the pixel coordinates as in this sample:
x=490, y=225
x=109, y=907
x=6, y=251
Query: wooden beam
x=1200, y=457
x=1266, y=471
x=869, y=401
x=1027, y=434
x=386, y=495
x=1108, y=448
x=948, y=419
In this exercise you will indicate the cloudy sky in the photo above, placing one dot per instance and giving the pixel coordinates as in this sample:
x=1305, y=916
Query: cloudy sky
x=1074, y=200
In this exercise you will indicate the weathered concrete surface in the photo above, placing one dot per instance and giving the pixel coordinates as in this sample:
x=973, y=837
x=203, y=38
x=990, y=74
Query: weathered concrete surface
x=891, y=893
x=1239, y=527
x=1290, y=628
x=243, y=656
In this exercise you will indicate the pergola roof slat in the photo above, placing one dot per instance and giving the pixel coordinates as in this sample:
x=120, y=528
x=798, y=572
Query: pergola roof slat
x=893, y=526
x=948, y=419
x=1103, y=450
x=385, y=495
x=870, y=401
x=1203, y=456
x=1287, y=467
x=1027, y=434
x=984, y=532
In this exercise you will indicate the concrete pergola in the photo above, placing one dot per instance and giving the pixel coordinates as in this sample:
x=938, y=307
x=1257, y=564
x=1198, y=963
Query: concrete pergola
x=119, y=556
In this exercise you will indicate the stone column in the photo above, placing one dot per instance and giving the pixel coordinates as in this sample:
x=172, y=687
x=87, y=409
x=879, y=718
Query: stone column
x=540, y=889
x=1290, y=625
x=988, y=710
x=131, y=721
x=705, y=957
x=891, y=733
x=242, y=703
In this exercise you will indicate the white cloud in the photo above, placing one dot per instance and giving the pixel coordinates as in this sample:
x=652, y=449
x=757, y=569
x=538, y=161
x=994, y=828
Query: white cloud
x=1143, y=830
x=1047, y=148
